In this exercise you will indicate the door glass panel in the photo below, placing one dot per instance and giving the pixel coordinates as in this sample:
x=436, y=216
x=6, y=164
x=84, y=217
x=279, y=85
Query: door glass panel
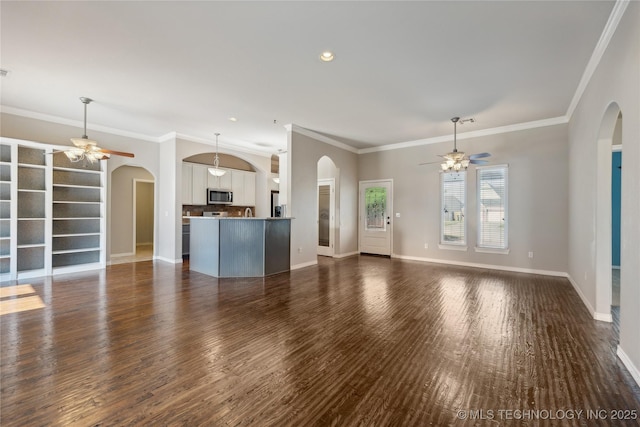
x=324, y=207
x=375, y=199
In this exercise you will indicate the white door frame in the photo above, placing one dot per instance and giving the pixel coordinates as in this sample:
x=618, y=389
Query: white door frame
x=361, y=210
x=135, y=202
x=330, y=250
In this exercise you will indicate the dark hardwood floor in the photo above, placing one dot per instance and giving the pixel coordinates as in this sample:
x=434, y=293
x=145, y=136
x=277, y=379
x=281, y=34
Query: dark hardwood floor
x=357, y=341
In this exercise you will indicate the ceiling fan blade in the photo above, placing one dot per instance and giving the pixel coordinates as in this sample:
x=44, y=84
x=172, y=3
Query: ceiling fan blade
x=429, y=163
x=478, y=162
x=479, y=155
x=117, y=153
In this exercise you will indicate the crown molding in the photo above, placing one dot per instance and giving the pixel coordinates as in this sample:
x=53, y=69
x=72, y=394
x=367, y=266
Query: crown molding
x=606, y=36
x=75, y=123
x=473, y=134
x=223, y=145
x=320, y=137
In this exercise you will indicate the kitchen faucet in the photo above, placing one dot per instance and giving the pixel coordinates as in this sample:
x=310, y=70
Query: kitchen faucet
x=248, y=213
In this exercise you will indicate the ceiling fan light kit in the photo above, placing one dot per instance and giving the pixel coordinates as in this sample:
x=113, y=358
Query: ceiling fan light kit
x=456, y=161
x=87, y=149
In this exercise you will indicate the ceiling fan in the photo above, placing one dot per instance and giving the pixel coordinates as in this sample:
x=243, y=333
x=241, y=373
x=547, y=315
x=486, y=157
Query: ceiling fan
x=458, y=160
x=87, y=149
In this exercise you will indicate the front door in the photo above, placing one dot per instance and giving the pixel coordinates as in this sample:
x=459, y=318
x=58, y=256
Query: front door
x=376, y=205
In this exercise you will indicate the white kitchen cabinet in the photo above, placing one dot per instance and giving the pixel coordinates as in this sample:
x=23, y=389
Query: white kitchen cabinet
x=199, y=183
x=196, y=179
x=187, y=183
x=250, y=188
x=243, y=185
x=221, y=182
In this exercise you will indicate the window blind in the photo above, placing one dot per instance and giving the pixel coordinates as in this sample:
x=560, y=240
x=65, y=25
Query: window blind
x=492, y=207
x=452, y=224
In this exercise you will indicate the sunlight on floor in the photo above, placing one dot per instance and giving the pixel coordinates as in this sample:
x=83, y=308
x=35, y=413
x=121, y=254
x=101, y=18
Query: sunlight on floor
x=19, y=298
x=143, y=253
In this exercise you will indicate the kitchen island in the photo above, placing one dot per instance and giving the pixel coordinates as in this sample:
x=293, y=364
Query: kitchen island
x=239, y=247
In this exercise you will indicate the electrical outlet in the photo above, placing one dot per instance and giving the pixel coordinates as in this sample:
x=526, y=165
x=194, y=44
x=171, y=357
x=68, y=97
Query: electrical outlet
x=530, y=254
x=397, y=214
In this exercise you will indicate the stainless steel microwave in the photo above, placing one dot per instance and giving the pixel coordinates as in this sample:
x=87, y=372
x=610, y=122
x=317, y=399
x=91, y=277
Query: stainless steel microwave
x=219, y=197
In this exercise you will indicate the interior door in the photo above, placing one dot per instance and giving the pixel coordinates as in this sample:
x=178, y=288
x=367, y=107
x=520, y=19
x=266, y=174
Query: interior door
x=326, y=216
x=376, y=205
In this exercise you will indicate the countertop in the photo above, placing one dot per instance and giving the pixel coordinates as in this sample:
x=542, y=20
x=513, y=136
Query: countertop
x=234, y=218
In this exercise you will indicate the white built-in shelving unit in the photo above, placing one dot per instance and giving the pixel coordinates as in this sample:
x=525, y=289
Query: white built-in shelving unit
x=52, y=211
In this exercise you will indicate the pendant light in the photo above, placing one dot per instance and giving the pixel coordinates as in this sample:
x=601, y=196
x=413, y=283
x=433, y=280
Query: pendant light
x=215, y=170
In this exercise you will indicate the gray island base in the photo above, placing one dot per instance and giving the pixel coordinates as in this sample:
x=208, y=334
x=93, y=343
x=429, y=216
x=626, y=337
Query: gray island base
x=239, y=247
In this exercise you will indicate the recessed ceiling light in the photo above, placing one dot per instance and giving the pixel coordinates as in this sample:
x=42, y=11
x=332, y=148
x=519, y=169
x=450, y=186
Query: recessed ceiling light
x=233, y=119
x=327, y=56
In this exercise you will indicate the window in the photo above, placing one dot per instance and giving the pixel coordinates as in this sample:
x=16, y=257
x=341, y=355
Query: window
x=492, y=207
x=375, y=200
x=453, y=224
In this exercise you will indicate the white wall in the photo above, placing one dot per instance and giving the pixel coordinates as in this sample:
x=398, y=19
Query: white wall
x=616, y=79
x=304, y=151
x=121, y=212
x=537, y=198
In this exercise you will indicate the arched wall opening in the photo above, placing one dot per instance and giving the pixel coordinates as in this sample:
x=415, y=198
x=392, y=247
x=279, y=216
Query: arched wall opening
x=328, y=201
x=132, y=214
x=260, y=189
x=603, y=244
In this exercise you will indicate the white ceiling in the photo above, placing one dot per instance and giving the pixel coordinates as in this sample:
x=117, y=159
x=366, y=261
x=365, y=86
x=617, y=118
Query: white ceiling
x=402, y=69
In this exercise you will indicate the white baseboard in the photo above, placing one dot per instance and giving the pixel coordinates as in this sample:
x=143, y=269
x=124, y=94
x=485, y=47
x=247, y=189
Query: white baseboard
x=304, y=264
x=169, y=260
x=123, y=254
x=487, y=266
x=626, y=361
x=603, y=317
x=347, y=254
x=77, y=268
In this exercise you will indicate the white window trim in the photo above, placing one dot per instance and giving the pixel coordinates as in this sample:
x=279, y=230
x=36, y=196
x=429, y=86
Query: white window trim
x=489, y=249
x=492, y=250
x=453, y=246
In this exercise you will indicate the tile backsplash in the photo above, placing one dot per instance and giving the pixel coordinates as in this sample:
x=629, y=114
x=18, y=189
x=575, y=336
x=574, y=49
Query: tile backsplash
x=197, y=210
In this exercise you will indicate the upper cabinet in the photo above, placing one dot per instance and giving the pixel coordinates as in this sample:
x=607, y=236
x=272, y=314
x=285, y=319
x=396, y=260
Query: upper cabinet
x=196, y=179
x=243, y=185
x=199, y=184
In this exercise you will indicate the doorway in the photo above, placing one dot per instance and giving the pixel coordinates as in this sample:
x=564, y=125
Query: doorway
x=375, y=224
x=131, y=215
x=143, y=216
x=610, y=134
x=326, y=216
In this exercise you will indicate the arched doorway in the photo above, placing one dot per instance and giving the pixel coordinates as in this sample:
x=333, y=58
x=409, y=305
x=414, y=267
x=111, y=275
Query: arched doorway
x=326, y=206
x=612, y=120
x=132, y=214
